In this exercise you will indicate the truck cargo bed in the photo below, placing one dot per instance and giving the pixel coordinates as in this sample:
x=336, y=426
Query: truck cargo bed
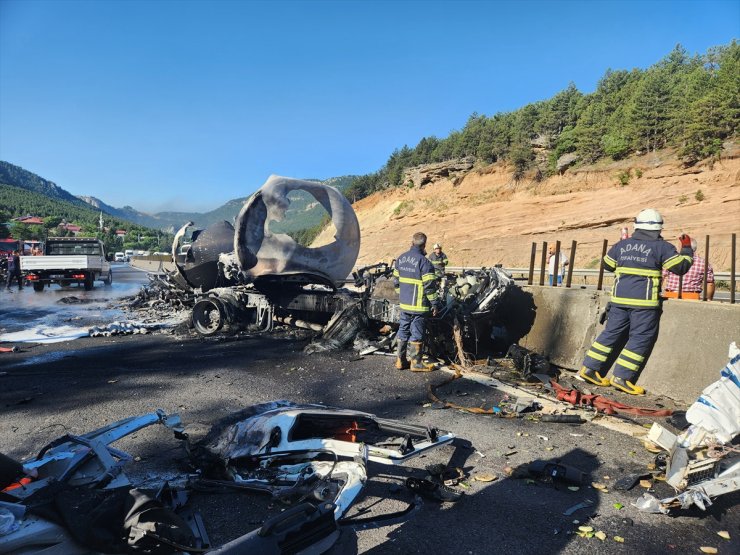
x=63, y=262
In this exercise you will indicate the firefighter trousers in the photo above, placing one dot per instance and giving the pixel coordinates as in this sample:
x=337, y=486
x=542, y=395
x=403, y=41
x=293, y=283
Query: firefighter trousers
x=641, y=326
x=411, y=326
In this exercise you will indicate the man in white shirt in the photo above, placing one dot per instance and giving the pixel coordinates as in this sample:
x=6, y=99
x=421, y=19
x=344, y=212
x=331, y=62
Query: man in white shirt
x=562, y=263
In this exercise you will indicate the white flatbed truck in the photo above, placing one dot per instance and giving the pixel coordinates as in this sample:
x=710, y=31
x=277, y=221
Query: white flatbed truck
x=68, y=260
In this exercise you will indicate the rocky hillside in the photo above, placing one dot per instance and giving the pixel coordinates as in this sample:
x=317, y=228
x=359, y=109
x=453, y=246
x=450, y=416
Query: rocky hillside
x=482, y=217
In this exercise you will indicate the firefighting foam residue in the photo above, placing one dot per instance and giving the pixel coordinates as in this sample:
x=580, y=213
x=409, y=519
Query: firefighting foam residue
x=45, y=334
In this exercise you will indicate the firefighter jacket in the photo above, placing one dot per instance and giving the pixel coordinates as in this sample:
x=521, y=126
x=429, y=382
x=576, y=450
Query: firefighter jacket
x=415, y=282
x=638, y=263
x=439, y=262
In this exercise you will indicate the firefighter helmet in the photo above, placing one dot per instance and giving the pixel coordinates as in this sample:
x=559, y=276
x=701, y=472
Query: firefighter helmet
x=649, y=219
x=437, y=246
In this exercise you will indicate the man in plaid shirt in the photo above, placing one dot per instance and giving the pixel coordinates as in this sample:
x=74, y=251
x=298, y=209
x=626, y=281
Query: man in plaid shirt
x=692, y=280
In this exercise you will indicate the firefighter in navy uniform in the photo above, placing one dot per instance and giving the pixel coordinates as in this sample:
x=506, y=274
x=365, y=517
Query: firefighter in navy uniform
x=635, y=308
x=416, y=284
x=439, y=260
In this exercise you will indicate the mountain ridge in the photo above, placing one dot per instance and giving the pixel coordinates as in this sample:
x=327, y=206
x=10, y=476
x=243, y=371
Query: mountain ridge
x=303, y=213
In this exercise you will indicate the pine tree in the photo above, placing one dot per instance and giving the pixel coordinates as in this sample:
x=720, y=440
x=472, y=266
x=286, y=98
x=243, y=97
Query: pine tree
x=647, y=115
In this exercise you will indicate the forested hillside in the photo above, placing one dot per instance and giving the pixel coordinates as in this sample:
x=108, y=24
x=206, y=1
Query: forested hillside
x=15, y=202
x=24, y=179
x=688, y=102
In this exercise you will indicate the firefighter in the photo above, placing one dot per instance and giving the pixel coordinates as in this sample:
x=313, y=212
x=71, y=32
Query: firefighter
x=438, y=260
x=416, y=284
x=635, y=309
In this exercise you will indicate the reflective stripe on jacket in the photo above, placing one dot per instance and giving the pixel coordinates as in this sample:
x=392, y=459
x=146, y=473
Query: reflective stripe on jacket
x=415, y=282
x=439, y=262
x=638, y=263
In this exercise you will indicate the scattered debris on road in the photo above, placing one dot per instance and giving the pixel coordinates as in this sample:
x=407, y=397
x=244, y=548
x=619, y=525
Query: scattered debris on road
x=75, y=496
x=702, y=463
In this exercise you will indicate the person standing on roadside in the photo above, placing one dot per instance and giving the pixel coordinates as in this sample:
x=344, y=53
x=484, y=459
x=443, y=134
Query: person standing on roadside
x=562, y=263
x=692, y=281
x=14, y=271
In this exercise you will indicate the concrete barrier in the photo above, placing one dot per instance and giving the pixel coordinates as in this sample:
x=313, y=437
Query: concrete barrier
x=688, y=355
x=152, y=265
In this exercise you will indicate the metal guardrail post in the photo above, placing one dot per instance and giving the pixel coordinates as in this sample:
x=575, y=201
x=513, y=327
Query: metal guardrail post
x=556, y=265
x=706, y=269
x=601, y=265
x=544, y=262
x=571, y=262
x=732, y=271
x=531, y=264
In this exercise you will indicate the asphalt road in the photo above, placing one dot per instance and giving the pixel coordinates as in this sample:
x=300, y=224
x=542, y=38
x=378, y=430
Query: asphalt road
x=73, y=387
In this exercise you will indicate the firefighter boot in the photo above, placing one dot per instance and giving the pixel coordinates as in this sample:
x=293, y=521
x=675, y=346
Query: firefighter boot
x=593, y=376
x=627, y=386
x=417, y=364
x=402, y=363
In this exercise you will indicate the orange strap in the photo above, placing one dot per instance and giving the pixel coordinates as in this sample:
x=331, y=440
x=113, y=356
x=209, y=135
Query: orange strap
x=690, y=295
x=601, y=403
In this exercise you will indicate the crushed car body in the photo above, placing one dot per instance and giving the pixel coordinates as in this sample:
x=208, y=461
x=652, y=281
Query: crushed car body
x=312, y=458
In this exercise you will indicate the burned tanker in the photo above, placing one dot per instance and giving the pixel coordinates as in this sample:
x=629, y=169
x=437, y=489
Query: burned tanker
x=249, y=277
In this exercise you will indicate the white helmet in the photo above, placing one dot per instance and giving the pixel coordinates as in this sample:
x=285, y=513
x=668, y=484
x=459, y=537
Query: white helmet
x=437, y=246
x=649, y=219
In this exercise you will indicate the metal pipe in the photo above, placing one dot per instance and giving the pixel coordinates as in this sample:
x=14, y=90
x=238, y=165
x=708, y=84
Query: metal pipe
x=544, y=262
x=531, y=264
x=290, y=321
x=556, y=264
x=706, y=269
x=601, y=265
x=571, y=262
x=732, y=271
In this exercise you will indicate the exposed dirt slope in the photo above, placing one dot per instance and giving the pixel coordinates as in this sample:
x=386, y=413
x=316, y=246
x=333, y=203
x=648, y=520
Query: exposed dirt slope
x=488, y=219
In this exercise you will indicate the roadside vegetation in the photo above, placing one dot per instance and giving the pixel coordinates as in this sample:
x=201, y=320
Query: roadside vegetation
x=16, y=202
x=691, y=103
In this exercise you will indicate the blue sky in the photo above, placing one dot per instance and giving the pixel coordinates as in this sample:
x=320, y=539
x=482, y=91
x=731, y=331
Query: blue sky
x=184, y=105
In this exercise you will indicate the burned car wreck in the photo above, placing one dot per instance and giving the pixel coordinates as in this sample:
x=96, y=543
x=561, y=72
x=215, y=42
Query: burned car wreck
x=75, y=496
x=247, y=277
